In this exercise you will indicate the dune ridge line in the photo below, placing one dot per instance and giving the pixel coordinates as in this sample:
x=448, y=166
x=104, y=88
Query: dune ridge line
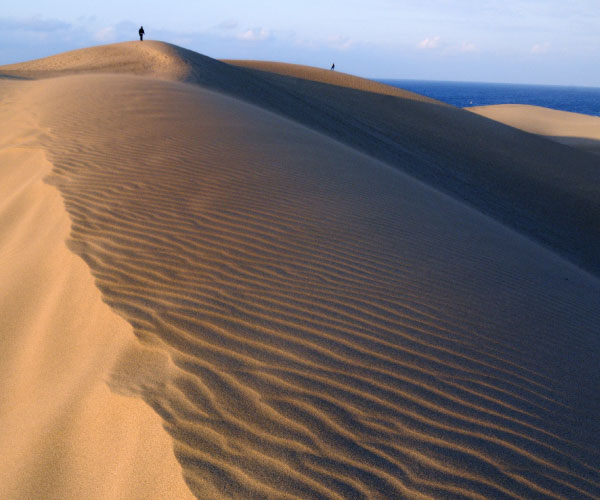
x=63, y=434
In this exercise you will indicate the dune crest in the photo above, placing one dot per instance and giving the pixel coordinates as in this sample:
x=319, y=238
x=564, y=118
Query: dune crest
x=337, y=78
x=154, y=59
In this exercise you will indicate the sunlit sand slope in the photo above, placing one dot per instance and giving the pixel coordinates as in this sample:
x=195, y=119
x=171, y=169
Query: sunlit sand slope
x=573, y=129
x=149, y=59
x=334, y=328
x=63, y=434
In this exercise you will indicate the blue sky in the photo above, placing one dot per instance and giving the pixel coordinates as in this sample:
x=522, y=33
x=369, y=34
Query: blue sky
x=515, y=41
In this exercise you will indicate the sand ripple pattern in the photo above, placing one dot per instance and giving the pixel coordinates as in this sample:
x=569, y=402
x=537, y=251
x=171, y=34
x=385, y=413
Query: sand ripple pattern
x=334, y=329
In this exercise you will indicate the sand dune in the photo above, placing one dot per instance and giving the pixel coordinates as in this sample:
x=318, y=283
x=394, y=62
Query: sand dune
x=314, y=322
x=148, y=59
x=513, y=177
x=572, y=129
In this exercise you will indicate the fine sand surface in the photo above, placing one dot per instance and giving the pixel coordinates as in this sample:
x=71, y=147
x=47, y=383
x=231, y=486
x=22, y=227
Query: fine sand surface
x=312, y=322
x=573, y=129
x=63, y=433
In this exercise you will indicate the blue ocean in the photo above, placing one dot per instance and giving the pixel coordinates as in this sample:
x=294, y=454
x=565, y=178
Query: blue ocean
x=584, y=100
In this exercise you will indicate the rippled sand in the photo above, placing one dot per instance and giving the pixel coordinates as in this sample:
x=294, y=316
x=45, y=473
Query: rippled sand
x=313, y=320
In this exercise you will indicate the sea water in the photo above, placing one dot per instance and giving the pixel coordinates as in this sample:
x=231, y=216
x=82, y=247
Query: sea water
x=584, y=100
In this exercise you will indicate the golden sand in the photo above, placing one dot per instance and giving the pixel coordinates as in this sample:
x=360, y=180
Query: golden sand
x=63, y=433
x=572, y=129
x=311, y=321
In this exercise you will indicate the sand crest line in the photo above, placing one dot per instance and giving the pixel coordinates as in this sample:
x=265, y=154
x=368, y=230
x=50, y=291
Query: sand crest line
x=64, y=435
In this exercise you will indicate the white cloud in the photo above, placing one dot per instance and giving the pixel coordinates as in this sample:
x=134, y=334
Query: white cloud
x=340, y=42
x=468, y=47
x=105, y=35
x=430, y=43
x=459, y=48
x=540, y=48
x=254, y=35
x=36, y=24
x=304, y=42
x=124, y=30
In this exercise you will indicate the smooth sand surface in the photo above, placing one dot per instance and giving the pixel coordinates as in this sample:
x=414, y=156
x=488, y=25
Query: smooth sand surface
x=302, y=73
x=572, y=129
x=313, y=322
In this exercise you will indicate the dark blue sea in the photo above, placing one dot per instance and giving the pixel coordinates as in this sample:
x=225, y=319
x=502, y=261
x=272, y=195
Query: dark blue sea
x=462, y=94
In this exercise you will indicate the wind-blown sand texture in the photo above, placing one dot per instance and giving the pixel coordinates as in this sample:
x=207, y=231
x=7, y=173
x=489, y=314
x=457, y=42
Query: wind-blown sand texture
x=312, y=321
x=63, y=433
x=573, y=129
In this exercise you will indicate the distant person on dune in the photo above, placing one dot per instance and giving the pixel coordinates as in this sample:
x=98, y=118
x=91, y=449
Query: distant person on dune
x=332, y=66
x=141, y=32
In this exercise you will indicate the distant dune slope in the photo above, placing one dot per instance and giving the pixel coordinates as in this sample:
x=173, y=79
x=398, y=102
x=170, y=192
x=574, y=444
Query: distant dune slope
x=573, y=129
x=337, y=78
x=337, y=329
x=517, y=179
x=513, y=177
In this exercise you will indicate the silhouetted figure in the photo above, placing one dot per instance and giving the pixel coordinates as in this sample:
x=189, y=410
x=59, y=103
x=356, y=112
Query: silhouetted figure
x=332, y=66
x=141, y=32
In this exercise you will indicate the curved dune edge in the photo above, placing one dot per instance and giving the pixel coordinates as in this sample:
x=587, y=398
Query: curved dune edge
x=164, y=60
x=337, y=78
x=336, y=328
x=149, y=59
x=63, y=433
x=571, y=129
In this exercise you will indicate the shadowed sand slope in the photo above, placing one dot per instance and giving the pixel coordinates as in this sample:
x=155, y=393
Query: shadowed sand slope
x=573, y=129
x=334, y=328
x=514, y=177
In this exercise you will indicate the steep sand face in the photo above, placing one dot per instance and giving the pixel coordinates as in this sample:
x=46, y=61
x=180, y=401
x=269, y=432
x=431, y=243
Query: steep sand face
x=335, y=329
x=63, y=434
x=572, y=129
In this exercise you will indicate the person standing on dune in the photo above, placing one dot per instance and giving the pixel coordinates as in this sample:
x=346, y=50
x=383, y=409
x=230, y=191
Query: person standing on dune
x=141, y=32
